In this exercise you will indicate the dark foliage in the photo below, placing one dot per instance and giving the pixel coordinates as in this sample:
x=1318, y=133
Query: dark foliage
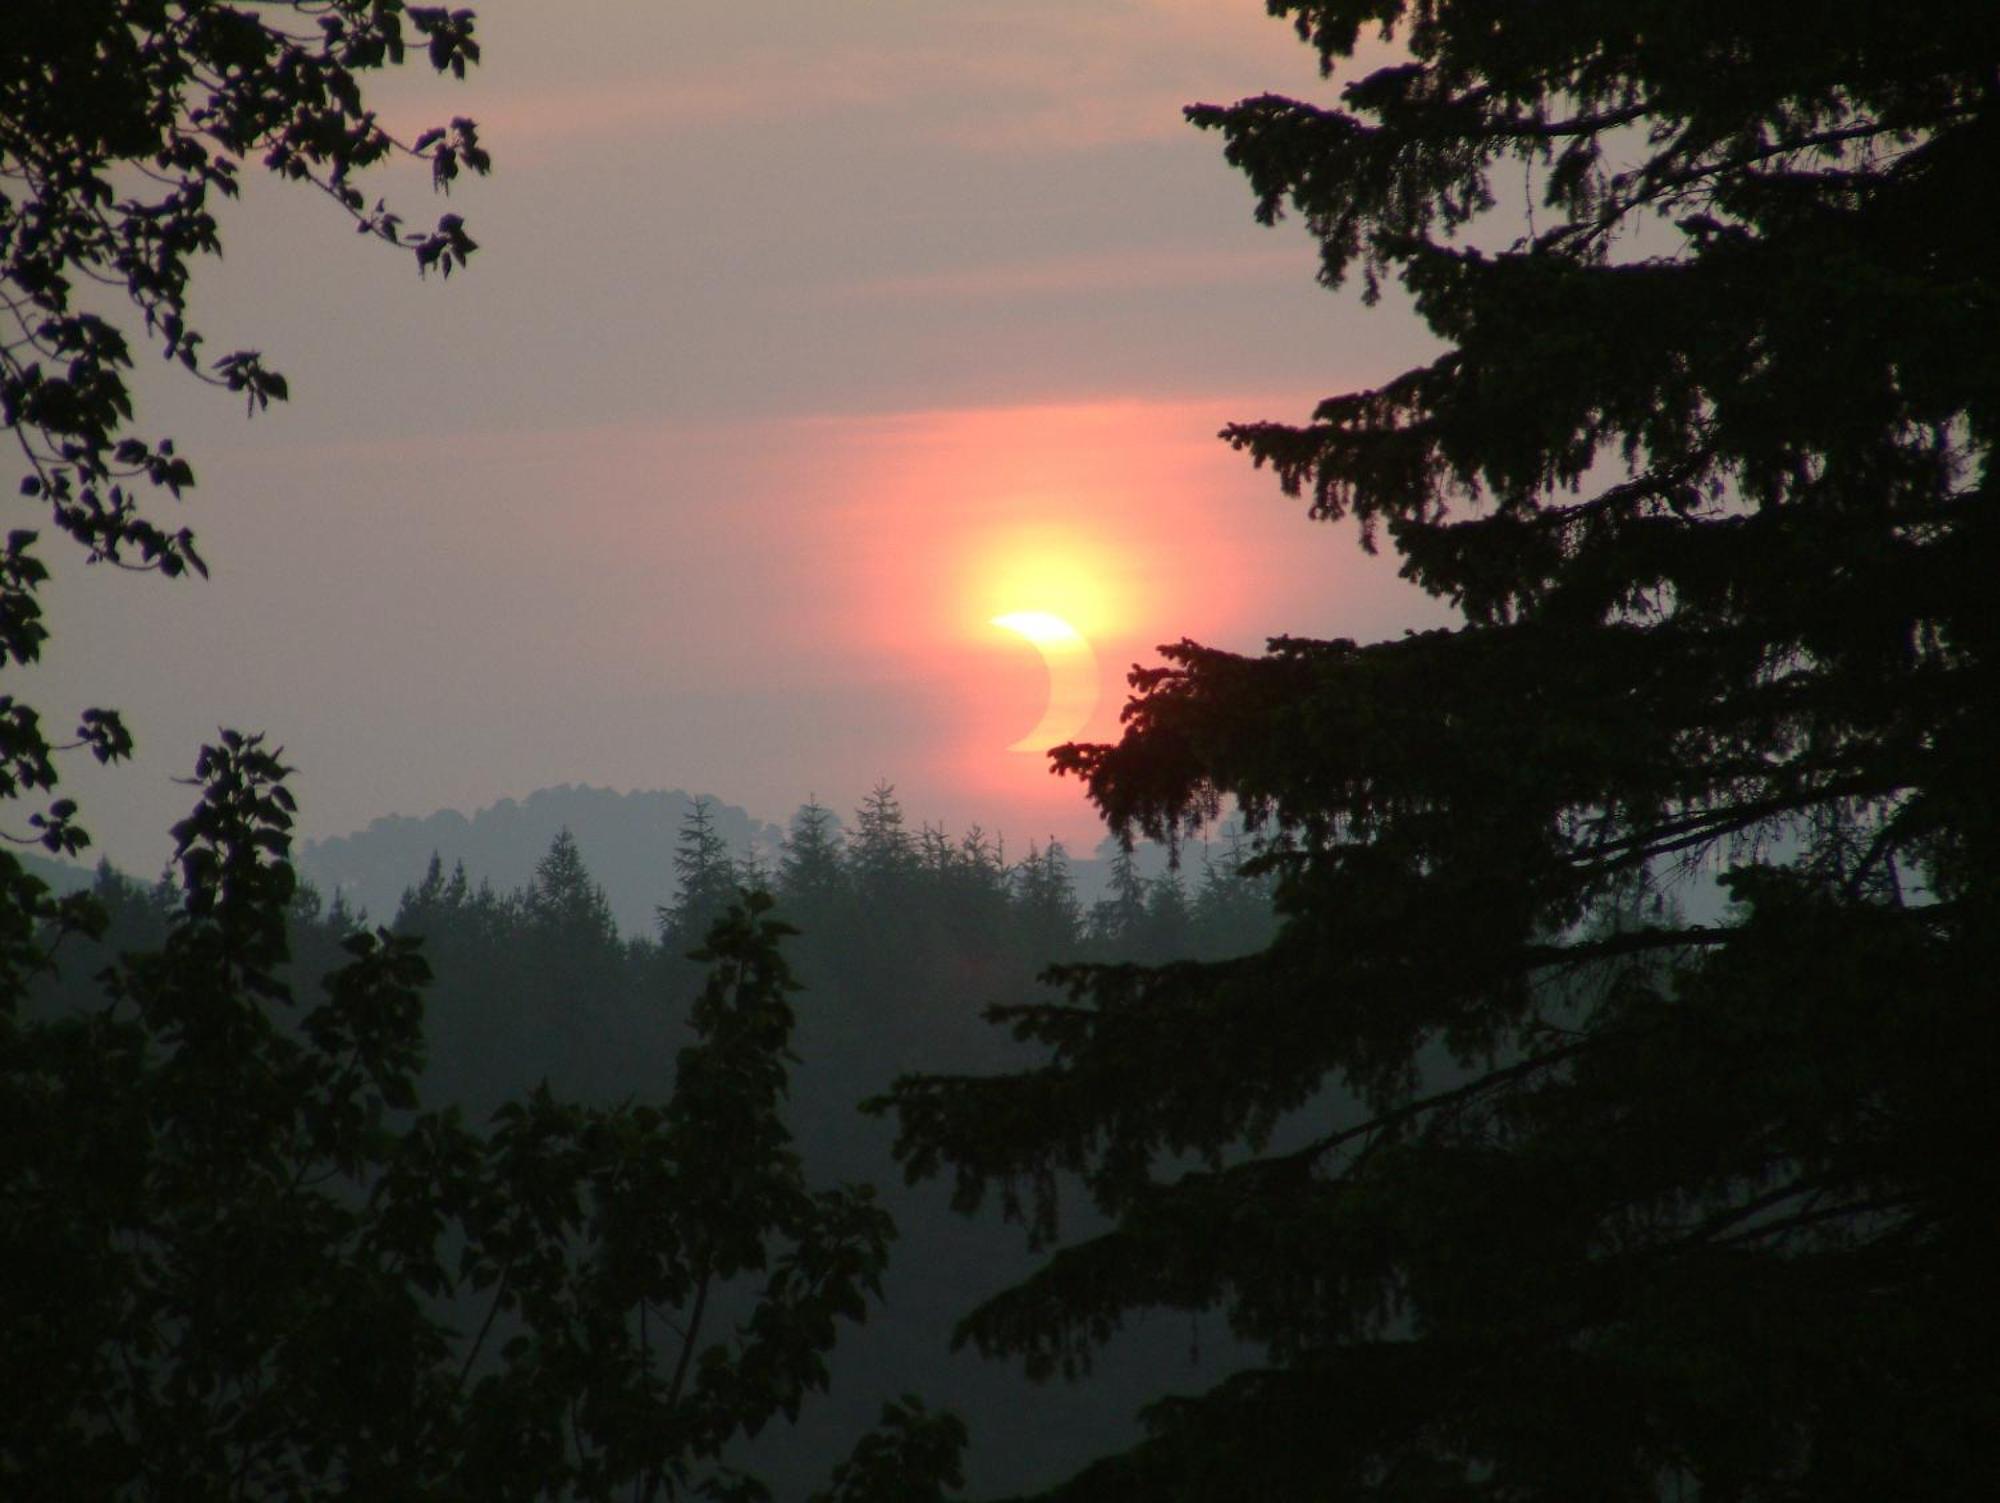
x=242, y=1261
x=705, y=879
x=121, y=124
x=1526, y=1187
x=247, y=1264
x=900, y=946
x=537, y=1006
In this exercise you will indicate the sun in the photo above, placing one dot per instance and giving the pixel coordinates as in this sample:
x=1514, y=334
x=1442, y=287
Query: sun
x=1050, y=572
x=1058, y=589
x=1072, y=667
x=1042, y=628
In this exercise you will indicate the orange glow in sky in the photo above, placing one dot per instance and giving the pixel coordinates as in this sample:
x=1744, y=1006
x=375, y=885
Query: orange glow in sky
x=1045, y=570
x=927, y=331
x=815, y=593
x=1102, y=514
x=1098, y=514
x=863, y=584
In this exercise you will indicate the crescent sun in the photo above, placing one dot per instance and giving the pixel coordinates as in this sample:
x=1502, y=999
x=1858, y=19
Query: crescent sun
x=1072, y=677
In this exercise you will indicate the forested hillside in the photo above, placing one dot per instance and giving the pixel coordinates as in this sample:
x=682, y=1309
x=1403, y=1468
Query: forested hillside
x=905, y=937
x=1578, y=1083
x=629, y=837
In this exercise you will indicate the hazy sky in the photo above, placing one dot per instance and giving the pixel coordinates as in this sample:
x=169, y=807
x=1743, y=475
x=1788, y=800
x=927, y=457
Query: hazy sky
x=803, y=338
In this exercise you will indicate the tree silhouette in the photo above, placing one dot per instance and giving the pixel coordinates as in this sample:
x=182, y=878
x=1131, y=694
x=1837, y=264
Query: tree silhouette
x=1045, y=900
x=882, y=855
x=1231, y=911
x=810, y=871
x=705, y=879
x=122, y=123
x=236, y=1248
x=1524, y=1185
x=1118, y=919
x=245, y=1263
x=564, y=902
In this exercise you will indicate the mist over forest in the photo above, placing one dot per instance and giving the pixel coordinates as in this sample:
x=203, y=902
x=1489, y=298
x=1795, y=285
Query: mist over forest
x=628, y=840
x=626, y=837
x=1523, y=1029
x=906, y=936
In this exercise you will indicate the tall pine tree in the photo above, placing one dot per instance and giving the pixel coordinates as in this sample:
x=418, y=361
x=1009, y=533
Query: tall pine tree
x=1577, y=1198
x=882, y=856
x=563, y=900
x=810, y=870
x=704, y=879
x=1045, y=902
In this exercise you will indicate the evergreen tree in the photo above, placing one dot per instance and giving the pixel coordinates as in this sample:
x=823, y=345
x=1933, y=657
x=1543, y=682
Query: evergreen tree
x=1045, y=901
x=552, y=999
x=427, y=895
x=810, y=871
x=1166, y=929
x=966, y=906
x=343, y=917
x=1231, y=911
x=564, y=902
x=756, y=872
x=934, y=853
x=1570, y=1207
x=882, y=856
x=1118, y=919
x=973, y=876
x=437, y=902
x=705, y=878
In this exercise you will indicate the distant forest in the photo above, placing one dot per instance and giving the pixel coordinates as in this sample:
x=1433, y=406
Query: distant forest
x=905, y=937
x=1485, y=1171
x=627, y=838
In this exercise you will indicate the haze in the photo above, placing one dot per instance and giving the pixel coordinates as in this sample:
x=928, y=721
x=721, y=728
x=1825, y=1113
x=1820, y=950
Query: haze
x=802, y=340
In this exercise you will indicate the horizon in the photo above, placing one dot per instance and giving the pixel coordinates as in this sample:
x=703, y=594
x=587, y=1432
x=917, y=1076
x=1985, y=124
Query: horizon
x=371, y=865
x=790, y=358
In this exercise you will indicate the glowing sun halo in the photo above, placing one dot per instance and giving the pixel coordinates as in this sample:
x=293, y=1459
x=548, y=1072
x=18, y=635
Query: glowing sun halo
x=1072, y=669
